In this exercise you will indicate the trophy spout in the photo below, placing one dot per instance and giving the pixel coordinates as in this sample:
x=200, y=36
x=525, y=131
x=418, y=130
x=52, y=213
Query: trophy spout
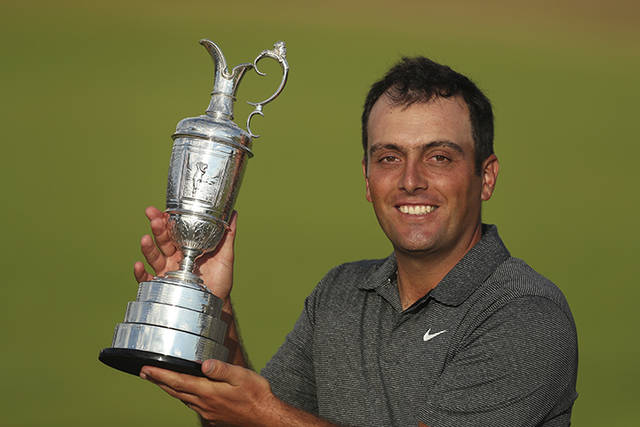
x=220, y=63
x=225, y=83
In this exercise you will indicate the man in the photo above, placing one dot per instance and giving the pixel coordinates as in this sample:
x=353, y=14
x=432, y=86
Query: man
x=450, y=330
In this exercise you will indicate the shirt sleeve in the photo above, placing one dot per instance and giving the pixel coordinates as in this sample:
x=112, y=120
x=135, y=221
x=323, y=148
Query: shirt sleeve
x=290, y=371
x=517, y=368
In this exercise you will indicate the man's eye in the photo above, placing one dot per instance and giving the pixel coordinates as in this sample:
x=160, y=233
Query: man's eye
x=440, y=158
x=388, y=159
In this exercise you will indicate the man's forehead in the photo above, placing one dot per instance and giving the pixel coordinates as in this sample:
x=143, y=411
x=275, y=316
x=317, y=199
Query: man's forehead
x=419, y=122
x=388, y=101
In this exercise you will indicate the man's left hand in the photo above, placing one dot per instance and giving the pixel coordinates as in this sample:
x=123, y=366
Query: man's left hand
x=228, y=394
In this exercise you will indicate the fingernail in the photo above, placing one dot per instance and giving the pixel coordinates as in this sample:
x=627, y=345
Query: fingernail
x=143, y=375
x=207, y=366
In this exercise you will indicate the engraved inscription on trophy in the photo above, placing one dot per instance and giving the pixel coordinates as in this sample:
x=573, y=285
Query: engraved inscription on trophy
x=198, y=174
x=202, y=183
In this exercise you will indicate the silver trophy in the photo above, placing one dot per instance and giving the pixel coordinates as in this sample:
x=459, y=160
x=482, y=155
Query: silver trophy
x=175, y=321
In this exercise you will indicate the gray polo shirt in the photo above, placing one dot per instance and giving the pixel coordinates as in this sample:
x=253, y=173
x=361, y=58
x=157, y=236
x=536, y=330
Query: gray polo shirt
x=494, y=344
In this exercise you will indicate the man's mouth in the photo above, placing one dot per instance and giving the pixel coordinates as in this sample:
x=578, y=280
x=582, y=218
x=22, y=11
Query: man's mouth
x=417, y=209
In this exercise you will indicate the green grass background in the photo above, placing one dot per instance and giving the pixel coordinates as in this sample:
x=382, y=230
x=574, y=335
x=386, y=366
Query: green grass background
x=91, y=92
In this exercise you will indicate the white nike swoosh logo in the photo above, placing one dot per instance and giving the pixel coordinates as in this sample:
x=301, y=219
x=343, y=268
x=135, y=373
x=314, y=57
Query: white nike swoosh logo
x=428, y=335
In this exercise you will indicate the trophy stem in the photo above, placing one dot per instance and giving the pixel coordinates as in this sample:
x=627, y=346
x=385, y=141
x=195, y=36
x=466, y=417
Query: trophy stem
x=188, y=263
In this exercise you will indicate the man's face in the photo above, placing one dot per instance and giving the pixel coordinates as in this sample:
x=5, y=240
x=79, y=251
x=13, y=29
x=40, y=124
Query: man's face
x=421, y=175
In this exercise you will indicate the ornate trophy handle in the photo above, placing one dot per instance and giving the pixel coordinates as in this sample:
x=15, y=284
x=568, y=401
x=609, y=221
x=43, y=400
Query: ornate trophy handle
x=279, y=53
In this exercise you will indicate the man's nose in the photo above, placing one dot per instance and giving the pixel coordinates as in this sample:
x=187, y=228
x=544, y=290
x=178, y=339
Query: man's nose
x=413, y=178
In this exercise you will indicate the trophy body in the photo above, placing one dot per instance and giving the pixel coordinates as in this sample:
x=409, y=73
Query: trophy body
x=175, y=322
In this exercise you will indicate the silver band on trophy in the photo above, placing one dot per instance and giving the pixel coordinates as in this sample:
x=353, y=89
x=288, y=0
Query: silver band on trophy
x=175, y=322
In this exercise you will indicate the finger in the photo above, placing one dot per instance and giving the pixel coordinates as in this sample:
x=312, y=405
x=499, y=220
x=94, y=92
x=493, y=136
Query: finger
x=223, y=372
x=190, y=400
x=152, y=212
x=195, y=407
x=158, y=222
x=152, y=254
x=225, y=251
x=162, y=236
x=234, y=221
x=186, y=398
x=179, y=383
x=140, y=273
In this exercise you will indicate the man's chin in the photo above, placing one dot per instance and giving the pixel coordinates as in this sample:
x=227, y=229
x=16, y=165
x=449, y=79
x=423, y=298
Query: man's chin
x=416, y=249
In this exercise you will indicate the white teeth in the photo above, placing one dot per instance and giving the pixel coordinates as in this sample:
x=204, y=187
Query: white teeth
x=416, y=209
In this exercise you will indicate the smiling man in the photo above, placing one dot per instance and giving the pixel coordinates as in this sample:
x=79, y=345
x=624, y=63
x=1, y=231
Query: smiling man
x=449, y=330
x=426, y=190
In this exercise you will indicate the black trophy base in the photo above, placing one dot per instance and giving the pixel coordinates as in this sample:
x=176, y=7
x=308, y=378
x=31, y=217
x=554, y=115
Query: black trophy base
x=131, y=361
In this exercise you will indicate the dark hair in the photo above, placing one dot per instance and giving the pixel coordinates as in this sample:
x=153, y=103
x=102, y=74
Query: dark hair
x=420, y=79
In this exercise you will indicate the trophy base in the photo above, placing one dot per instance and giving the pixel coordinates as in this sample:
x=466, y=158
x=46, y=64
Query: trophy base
x=131, y=361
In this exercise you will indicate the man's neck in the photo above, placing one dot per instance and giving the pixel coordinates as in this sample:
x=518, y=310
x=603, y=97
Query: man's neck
x=419, y=273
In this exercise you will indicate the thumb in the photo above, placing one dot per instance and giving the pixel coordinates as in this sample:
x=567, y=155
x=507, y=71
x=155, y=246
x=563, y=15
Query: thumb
x=223, y=254
x=226, y=248
x=218, y=370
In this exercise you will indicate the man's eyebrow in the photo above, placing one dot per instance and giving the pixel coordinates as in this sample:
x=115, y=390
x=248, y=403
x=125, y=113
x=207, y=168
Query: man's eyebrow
x=378, y=147
x=427, y=146
x=444, y=143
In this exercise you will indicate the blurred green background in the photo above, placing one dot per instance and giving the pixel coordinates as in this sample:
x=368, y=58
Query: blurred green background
x=91, y=92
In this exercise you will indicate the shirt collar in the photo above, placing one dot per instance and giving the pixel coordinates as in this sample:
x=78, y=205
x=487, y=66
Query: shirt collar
x=473, y=269
x=463, y=279
x=381, y=275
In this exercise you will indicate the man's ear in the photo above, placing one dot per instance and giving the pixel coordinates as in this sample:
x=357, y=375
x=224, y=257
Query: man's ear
x=366, y=178
x=490, y=169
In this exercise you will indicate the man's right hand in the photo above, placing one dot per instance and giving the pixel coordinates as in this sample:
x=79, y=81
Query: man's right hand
x=215, y=268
